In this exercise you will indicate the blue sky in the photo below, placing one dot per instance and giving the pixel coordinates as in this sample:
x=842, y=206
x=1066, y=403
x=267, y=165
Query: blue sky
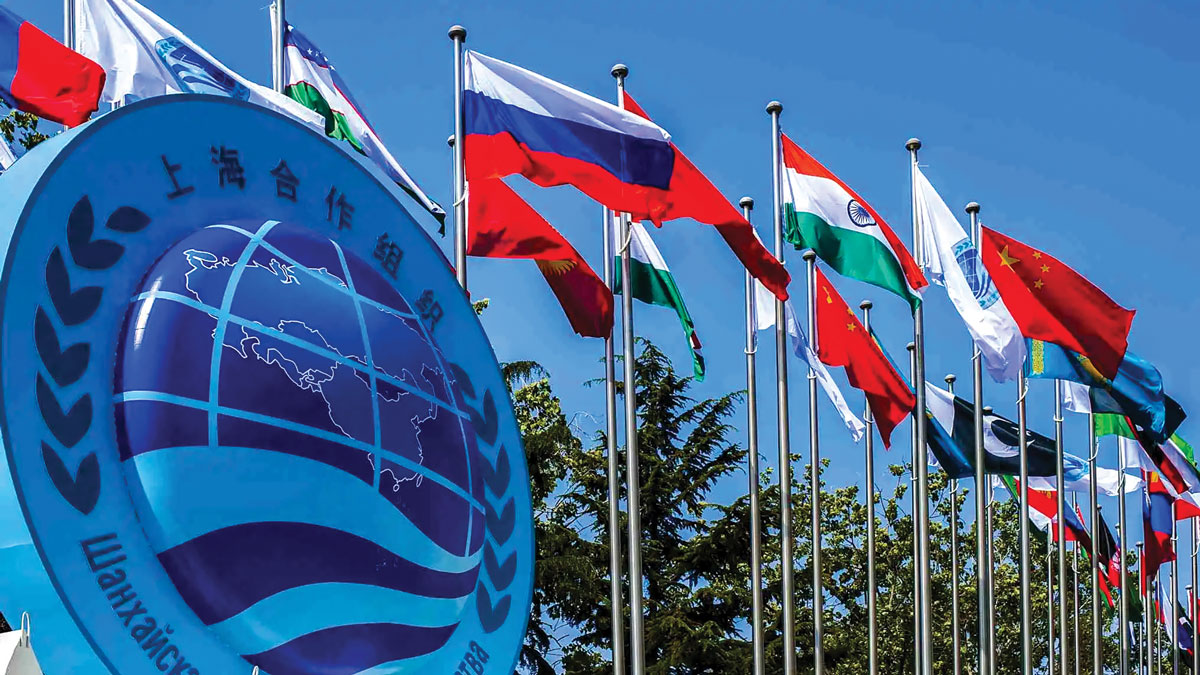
x=1072, y=126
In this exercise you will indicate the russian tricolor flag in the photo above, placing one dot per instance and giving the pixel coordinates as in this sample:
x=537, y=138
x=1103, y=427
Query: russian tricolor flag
x=39, y=75
x=517, y=121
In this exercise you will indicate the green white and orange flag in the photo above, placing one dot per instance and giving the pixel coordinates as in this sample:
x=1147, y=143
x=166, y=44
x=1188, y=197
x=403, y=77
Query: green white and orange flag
x=824, y=214
x=654, y=284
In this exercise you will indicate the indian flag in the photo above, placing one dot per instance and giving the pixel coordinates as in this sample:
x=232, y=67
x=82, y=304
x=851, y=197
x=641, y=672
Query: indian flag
x=654, y=284
x=313, y=82
x=824, y=214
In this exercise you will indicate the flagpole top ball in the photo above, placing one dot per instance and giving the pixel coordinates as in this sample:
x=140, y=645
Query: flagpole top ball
x=774, y=108
x=913, y=144
x=450, y=141
x=866, y=304
x=987, y=409
x=951, y=378
x=809, y=255
x=457, y=32
x=973, y=207
x=620, y=71
x=746, y=202
x=912, y=346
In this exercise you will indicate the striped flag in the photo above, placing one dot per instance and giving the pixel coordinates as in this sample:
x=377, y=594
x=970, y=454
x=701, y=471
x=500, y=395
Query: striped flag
x=654, y=284
x=824, y=214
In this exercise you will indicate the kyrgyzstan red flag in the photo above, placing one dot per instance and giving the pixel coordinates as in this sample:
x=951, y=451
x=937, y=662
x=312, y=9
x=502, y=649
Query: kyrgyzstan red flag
x=39, y=75
x=1052, y=302
x=502, y=225
x=841, y=341
x=692, y=195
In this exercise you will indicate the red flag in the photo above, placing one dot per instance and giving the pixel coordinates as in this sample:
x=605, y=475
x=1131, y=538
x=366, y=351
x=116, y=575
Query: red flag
x=692, y=195
x=841, y=341
x=1052, y=302
x=502, y=225
x=39, y=75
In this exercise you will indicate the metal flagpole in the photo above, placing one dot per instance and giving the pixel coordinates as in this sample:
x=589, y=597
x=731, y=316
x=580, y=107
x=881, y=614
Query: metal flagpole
x=1050, y=598
x=1144, y=647
x=1173, y=630
x=1026, y=600
x=814, y=475
x=632, y=475
x=278, y=35
x=69, y=23
x=1061, y=526
x=983, y=573
x=1192, y=604
x=872, y=591
x=756, y=599
x=914, y=509
x=1122, y=605
x=1097, y=647
x=957, y=639
x=1075, y=595
x=458, y=35
x=922, y=467
x=614, y=470
x=991, y=585
x=774, y=108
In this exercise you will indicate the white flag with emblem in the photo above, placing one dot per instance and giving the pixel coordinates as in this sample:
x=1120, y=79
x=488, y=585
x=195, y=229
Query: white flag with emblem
x=952, y=261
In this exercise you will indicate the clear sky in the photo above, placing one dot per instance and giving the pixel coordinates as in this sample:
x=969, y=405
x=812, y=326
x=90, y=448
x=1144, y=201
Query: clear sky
x=1073, y=127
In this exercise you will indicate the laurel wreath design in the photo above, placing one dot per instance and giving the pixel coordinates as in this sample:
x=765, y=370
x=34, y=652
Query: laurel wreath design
x=70, y=307
x=501, y=513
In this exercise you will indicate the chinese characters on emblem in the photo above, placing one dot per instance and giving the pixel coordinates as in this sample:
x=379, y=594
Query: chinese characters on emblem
x=285, y=181
x=428, y=309
x=229, y=167
x=172, y=169
x=389, y=254
x=337, y=203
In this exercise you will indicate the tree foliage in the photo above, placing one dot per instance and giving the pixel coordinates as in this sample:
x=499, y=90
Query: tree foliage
x=20, y=127
x=696, y=551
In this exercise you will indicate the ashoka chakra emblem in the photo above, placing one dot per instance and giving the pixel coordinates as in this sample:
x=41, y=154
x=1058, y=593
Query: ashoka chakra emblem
x=859, y=215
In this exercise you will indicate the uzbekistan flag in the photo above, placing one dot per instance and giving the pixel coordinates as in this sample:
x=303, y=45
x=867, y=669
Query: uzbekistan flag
x=39, y=75
x=824, y=214
x=313, y=82
x=520, y=122
x=505, y=226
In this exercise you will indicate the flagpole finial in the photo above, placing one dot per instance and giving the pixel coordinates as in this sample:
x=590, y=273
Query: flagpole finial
x=951, y=378
x=973, y=207
x=774, y=108
x=912, y=346
x=809, y=255
x=450, y=141
x=746, y=202
x=913, y=144
x=987, y=409
x=620, y=71
x=865, y=304
x=457, y=32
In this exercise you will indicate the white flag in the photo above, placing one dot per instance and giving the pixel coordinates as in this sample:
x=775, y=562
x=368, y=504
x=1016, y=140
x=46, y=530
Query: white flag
x=144, y=56
x=952, y=261
x=764, y=310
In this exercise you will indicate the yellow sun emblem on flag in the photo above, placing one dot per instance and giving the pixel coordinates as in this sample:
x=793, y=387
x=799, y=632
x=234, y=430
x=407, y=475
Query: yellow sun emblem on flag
x=556, y=267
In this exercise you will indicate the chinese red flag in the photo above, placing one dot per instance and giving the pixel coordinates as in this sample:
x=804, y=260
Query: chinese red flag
x=502, y=225
x=1052, y=302
x=841, y=341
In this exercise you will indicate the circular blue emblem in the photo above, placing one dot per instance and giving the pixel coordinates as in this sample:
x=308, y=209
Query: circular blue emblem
x=269, y=429
x=859, y=215
x=967, y=257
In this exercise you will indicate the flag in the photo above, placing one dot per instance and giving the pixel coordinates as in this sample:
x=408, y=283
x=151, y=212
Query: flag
x=764, y=319
x=692, y=195
x=1043, y=512
x=520, y=122
x=952, y=261
x=841, y=341
x=1156, y=524
x=39, y=75
x=654, y=284
x=311, y=80
x=504, y=226
x=145, y=56
x=1002, y=449
x=1136, y=391
x=1053, y=302
x=1107, y=551
x=824, y=214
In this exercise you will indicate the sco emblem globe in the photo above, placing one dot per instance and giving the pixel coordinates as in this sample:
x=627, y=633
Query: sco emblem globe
x=268, y=428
